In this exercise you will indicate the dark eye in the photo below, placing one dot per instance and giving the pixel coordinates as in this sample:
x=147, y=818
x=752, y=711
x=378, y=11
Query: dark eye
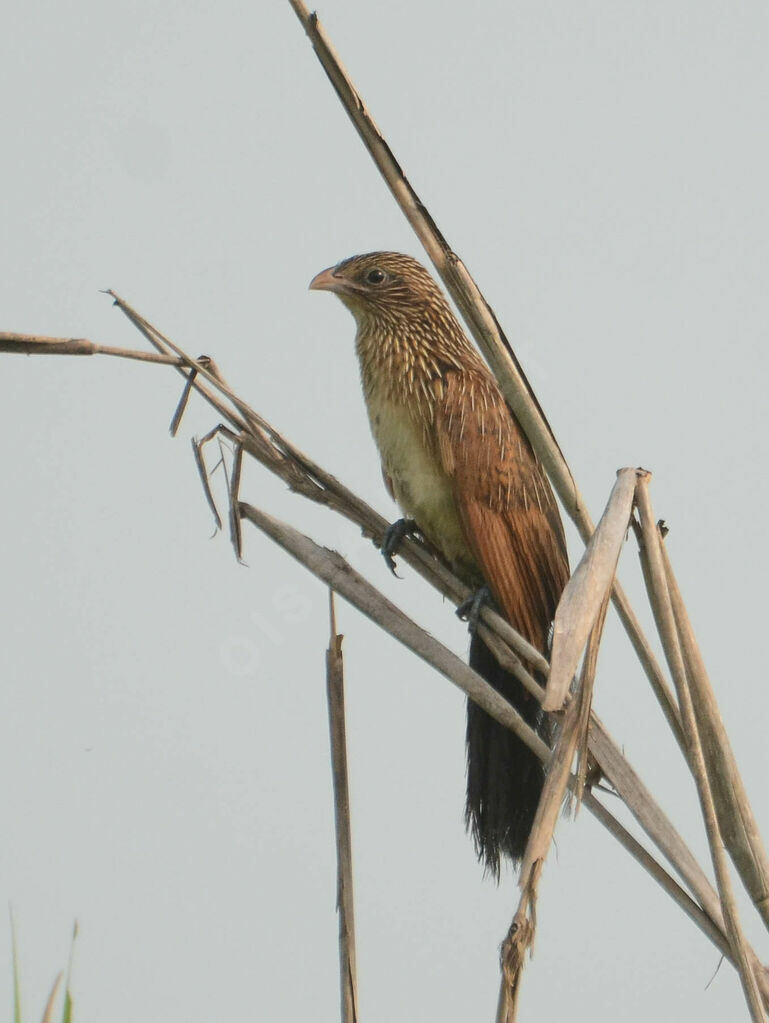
x=375, y=276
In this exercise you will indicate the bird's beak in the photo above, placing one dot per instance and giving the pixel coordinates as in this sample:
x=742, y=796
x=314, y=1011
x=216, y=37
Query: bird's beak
x=326, y=281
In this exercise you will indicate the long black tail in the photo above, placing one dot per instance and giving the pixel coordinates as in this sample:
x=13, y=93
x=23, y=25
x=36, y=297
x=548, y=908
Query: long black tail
x=504, y=778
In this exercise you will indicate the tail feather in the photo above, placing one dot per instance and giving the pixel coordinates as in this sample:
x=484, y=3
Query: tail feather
x=504, y=777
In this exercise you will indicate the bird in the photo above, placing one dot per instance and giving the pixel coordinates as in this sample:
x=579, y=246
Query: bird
x=458, y=463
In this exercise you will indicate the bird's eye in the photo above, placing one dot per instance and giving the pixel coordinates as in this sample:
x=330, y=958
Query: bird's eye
x=375, y=276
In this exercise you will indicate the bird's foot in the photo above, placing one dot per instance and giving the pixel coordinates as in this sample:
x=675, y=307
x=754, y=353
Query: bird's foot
x=470, y=610
x=393, y=538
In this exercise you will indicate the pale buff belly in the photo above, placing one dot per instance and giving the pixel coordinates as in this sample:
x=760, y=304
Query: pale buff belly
x=420, y=486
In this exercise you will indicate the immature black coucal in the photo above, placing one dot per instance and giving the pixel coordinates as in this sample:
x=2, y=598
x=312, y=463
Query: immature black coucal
x=458, y=463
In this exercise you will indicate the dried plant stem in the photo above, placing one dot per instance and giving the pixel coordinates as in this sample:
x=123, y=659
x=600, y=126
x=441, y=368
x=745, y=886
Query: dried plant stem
x=615, y=767
x=572, y=734
x=692, y=909
x=634, y=794
x=333, y=570
x=36, y=344
x=345, y=904
x=736, y=820
x=273, y=450
x=486, y=331
x=693, y=719
x=201, y=367
x=460, y=284
x=584, y=700
x=340, y=576
x=666, y=624
x=518, y=941
x=588, y=589
x=304, y=476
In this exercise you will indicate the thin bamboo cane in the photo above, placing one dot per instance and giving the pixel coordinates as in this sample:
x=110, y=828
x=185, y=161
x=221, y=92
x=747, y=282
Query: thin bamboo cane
x=344, y=899
x=666, y=625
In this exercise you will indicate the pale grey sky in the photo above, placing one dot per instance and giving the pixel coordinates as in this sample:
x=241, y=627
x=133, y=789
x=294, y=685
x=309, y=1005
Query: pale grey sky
x=601, y=168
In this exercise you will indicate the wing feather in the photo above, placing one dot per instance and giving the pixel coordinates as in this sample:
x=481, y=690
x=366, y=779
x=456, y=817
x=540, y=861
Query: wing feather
x=505, y=504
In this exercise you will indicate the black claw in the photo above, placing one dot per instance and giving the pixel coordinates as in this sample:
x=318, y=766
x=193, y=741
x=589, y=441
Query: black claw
x=470, y=610
x=393, y=538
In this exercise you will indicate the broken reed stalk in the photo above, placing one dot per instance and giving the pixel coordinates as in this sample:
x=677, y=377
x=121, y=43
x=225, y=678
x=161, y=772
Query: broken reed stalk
x=257, y=437
x=571, y=735
x=483, y=325
x=518, y=941
x=662, y=607
x=587, y=590
x=348, y=982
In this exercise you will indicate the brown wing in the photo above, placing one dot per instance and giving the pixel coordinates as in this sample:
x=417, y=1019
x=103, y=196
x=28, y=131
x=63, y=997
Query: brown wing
x=505, y=503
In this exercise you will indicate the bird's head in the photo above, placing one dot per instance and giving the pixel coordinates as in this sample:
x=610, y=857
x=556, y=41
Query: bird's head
x=382, y=286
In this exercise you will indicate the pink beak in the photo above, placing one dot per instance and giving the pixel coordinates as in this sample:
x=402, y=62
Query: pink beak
x=325, y=281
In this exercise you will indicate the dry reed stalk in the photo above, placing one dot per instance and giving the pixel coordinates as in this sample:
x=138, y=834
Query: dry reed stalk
x=487, y=333
x=259, y=439
x=461, y=286
x=570, y=735
x=344, y=899
x=518, y=941
x=573, y=733
x=692, y=909
x=666, y=625
x=648, y=814
x=300, y=473
x=584, y=702
x=587, y=590
x=484, y=328
x=37, y=344
x=736, y=820
x=332, y=569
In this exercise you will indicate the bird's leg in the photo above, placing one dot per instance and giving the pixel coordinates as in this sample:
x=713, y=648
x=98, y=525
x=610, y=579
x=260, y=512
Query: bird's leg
x=470, y=610
x=393, y=537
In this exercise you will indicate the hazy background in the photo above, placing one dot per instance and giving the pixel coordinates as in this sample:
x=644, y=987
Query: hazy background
x=602, y=169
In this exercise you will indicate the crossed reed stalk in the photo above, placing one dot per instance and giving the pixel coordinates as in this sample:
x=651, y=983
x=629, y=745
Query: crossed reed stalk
x=688, y=705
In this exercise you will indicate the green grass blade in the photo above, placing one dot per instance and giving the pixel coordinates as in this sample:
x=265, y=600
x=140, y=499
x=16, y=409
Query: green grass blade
x=67, y=1013
x=15, y=960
